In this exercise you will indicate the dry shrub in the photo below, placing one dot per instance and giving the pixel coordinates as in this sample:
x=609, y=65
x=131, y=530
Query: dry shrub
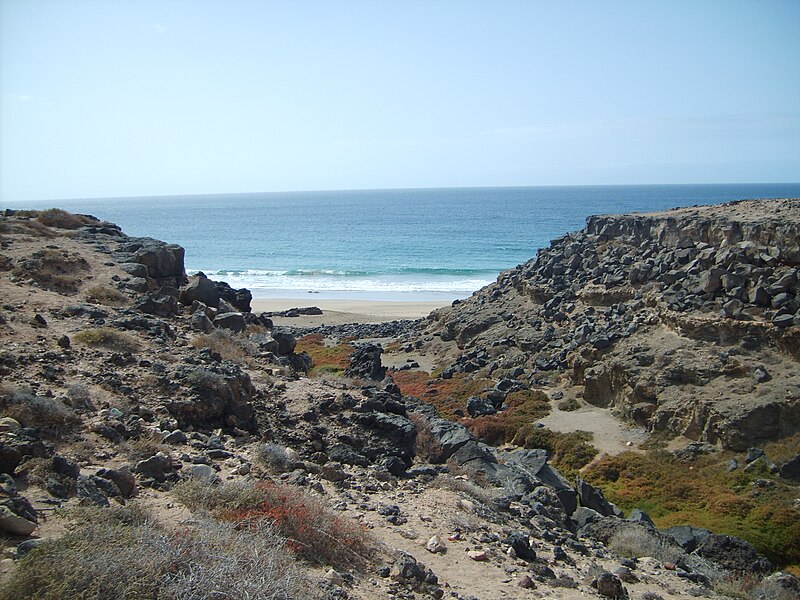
x=313, y=532
x=106, y=337
x=636, y=542
x=36, y=228
x=55, y=217
x=123, y=553
x=514, y=423
x=273, y=456
x=106, y=295
x=229, y=346
x=426, y=445
x=412, y=382
x=198, y=495
x=46, y=414
x=79, y=396
x=53, y=269
x=468, y=488
x=568, y=404
x=143, y=447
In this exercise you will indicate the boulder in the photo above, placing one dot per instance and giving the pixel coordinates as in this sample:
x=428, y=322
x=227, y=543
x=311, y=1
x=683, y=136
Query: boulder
x=240, y=299
x=162, y=303
x=164, y=262
x=89, y=493
x=156, y=467
x=609, y=585
x=592, y=497
x=446, y=437
x=232, y=321
x=791, y=468
x=286, y=342
x=733, y=554
x=13, y=524
x=200, y=322
x=477, y=407
x=686, y=536
x=200, y=289
x=123, y=478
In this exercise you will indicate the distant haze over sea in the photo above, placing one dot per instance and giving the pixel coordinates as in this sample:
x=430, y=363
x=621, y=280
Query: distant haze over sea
x=418, y=244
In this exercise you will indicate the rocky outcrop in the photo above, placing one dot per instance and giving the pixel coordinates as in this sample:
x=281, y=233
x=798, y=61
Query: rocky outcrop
x=669, y=318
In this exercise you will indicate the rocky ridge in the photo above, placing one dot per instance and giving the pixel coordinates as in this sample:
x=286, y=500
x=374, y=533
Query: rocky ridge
x=686, y=322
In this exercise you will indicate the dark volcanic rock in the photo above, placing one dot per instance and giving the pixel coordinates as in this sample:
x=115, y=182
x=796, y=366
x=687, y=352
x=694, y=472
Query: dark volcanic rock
x=734, y=554
x=365, y=363
x=200, y=289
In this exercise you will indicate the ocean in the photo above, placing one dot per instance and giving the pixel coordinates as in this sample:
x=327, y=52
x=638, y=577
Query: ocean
x=414, y=244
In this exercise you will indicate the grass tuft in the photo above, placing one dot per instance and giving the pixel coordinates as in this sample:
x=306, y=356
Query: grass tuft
x=106, y=337
x=230, y=346
x=106, y=295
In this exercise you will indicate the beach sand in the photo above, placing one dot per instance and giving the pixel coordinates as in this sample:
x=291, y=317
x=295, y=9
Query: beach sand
x=338, y=312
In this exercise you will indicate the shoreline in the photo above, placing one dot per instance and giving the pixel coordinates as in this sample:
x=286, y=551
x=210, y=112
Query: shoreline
x=339, y=312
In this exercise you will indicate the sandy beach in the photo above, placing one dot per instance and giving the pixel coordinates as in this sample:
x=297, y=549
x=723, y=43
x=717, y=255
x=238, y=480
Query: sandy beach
x=337, y=312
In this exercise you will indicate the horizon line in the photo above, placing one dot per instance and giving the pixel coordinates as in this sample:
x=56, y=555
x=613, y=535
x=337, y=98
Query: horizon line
x=400, y=189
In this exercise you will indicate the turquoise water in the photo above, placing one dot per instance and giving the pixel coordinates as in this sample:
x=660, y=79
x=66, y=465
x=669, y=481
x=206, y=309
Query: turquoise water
x=424, y=244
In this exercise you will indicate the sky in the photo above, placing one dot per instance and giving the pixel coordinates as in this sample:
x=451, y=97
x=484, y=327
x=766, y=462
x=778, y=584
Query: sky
x=158, y=97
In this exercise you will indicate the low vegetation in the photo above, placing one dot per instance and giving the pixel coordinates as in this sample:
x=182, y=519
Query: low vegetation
x=105, y=294
x=514, y=424
x=274, y=457
x=312, y=531
x=53, y=269
x=45, y=414
x=61, y=219
x=106, y=337
x=449, y=396
x=753, y=505
x=325, y=358
x=230, y=346
x=124, y=553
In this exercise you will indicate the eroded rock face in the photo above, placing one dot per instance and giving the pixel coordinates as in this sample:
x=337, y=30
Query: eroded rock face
x=669, y=318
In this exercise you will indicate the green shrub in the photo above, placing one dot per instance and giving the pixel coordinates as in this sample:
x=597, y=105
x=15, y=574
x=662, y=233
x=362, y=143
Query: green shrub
x=705, y=494
x=333, y=359
x=205, y=379
x=106, y=337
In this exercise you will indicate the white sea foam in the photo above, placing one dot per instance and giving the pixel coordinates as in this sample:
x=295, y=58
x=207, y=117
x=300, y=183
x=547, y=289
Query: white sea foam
x=265, y=283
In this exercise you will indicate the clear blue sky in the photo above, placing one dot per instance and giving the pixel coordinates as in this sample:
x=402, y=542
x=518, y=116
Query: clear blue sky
x=147, y=97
